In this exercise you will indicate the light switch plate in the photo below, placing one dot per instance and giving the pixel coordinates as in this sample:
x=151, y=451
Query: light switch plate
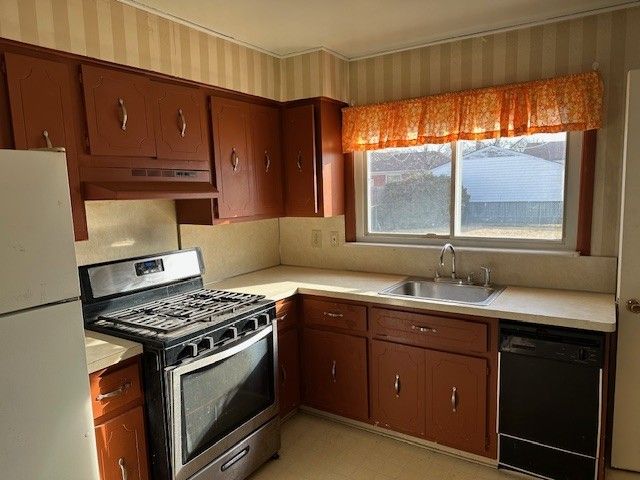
x=334, y=238
x=316, y=238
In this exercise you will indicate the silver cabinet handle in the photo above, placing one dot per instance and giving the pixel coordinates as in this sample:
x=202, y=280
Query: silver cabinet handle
x=633, y=305
x=115, y=393
x=424, y=329
x=123, y=469
x=454, y=399
x=396, y=385
x=124, y=117
x=283, y=373
x=235, y=159
x=299, y=161
x=183, y=123
x=333, y=315
x=333, y=371
x=267, y=161
x=45, y=134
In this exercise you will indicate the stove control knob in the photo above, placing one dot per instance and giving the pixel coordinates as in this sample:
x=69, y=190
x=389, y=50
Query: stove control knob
x=194, y=349
x=264, y=319
x=208, y=342
x=255, y=323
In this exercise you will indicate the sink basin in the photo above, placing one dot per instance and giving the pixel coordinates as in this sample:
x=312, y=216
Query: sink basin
x=443, y=292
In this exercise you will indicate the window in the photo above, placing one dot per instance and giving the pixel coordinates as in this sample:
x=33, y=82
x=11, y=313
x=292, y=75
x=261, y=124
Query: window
x=504, y=191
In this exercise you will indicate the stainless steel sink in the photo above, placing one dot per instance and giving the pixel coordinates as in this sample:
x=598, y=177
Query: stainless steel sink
x=444, y=292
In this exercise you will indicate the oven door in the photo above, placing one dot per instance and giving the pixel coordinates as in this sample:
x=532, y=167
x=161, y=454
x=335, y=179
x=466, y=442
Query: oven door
x=217, y=400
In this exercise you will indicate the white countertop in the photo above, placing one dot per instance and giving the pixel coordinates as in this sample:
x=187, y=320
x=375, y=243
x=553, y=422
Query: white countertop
x=104, y=350
x=565, y=308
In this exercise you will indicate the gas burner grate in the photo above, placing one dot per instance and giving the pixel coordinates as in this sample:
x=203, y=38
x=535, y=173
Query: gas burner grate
x=175, y=312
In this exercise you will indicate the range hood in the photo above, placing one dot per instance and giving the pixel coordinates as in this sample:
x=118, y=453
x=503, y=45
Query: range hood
x=148, y=190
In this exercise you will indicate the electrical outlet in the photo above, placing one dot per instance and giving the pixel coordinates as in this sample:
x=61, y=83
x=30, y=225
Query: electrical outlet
x=333, y=238
x=316, y=238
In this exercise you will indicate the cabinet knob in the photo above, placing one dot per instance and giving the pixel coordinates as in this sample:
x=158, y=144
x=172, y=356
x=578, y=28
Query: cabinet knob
x=235, y=159
x=183, y=123
x=299, y=161
x=267, y=161
x=396, y=385
x=123, y=469
x=124, y=117
x=454, y=399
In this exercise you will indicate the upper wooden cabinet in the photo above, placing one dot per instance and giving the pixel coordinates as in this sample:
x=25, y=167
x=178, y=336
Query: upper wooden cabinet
x=119, y=112
x=314, y=163
x=300, y=161
x=267, y=160
x=181, y=123
x=234, y=160
x=40, y=95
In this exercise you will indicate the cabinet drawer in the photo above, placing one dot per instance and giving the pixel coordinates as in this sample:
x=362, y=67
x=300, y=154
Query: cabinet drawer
x=334, y=314
x=429, y=330
x=112, y=389
x=286, y=314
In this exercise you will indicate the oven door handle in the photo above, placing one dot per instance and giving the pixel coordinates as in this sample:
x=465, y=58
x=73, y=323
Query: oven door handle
x=222, y=354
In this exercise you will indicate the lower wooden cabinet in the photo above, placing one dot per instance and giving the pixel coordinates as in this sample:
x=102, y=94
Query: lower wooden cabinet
x=398, y=387
x=118, y=414
x=335, y=373
x=289, y=371
x=456, y=387
x=122, y=452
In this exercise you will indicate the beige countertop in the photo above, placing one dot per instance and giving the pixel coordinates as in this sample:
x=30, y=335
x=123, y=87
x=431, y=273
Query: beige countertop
x=565, y=308
x=104, y=350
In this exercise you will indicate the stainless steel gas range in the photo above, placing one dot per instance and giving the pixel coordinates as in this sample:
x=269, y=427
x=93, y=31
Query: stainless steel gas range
x=209, y=363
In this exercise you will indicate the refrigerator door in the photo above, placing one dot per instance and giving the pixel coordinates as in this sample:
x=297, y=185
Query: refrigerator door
x=45, y=407
x=36, y=242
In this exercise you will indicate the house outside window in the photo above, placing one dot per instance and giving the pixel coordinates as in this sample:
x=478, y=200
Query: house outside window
x=505, y=192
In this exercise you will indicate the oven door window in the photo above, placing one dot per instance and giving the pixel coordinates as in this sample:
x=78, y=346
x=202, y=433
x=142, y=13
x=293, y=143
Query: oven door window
x=220, y=397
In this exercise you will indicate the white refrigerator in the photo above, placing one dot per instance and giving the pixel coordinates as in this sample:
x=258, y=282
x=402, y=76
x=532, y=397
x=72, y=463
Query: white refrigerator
x=46, y=426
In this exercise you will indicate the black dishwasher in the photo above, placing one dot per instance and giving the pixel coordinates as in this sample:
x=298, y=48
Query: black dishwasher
x=550, y=400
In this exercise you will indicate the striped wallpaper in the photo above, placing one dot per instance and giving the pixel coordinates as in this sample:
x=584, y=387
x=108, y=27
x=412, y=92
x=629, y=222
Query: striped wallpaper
x=112, y=31
x=610, y=39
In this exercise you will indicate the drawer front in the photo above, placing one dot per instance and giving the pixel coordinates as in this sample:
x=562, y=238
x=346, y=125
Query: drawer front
x=287, y=314
x=429, y=330
x=334, y=314
x=113, y=389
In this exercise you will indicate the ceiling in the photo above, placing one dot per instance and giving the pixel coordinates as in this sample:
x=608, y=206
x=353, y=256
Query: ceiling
x=356, y=28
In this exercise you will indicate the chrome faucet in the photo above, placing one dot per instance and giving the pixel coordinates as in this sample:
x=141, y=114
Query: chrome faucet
x=453, y=259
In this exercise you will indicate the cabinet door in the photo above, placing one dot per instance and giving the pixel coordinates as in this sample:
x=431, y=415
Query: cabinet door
x=335, y=373
x=301, y=186
x=231, y=126
x=267, y=159
x=41, y=115
x=289, y=366
x=397, y=387
x=181, y=123
x=119, y=113
x=457, y=401
x=122, y=453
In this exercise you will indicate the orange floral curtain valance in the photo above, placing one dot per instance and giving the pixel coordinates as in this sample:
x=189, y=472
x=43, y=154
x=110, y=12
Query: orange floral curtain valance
x=568, y=103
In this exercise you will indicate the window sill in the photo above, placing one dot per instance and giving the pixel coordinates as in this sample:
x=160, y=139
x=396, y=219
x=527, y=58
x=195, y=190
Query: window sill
x=523, y=251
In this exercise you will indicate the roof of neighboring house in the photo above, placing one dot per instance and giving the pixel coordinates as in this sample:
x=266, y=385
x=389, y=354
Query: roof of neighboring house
x=404, y=161
x=494, y=174
x=555, y=151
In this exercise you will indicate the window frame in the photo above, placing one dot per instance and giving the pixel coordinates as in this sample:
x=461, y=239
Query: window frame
x=572, y=205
